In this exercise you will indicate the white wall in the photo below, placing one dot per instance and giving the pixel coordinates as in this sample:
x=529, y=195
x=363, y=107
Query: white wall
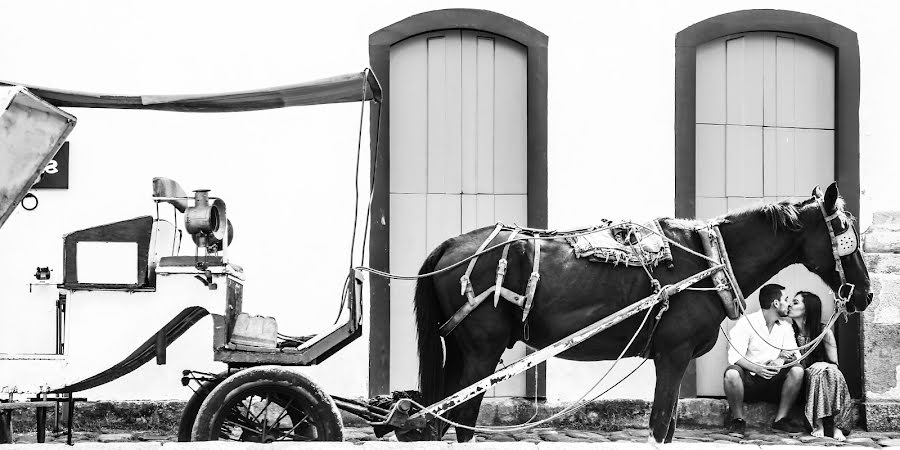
x=286, y=174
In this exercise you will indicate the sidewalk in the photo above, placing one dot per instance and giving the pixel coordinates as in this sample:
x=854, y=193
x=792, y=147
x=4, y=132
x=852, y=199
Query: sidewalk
x=540, y=438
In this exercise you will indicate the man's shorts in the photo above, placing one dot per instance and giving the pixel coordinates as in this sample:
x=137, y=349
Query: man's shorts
x=759, y=389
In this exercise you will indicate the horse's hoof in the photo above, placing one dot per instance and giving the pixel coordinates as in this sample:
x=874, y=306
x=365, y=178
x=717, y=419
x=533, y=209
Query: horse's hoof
x=652, y=441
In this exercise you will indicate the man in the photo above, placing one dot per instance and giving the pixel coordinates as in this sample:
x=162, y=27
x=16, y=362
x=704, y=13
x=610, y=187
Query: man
x=755, y=355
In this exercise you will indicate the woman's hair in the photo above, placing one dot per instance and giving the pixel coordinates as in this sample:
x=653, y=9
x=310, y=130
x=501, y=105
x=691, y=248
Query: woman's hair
x=813, y=324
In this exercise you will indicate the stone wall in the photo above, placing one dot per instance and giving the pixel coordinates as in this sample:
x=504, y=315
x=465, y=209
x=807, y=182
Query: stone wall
x=881, y=324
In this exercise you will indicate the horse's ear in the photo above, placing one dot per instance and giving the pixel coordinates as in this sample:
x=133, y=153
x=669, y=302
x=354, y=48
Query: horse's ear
x=817, y=193
x=831, y=196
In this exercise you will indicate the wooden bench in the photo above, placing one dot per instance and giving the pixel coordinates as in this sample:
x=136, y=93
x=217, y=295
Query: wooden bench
x=41, y=405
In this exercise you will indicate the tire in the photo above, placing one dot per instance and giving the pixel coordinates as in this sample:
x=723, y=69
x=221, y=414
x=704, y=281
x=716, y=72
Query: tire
x=267, y=404
x=189, y=415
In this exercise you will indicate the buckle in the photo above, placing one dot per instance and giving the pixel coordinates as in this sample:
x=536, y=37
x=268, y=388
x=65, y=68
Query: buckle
x=849, y=288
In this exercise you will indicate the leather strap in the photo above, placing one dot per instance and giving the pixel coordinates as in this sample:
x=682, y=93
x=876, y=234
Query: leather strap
x=464, y=283
x=533, y=279
x=712, y=247
x=468, y=307
x=729, y=271
x=834, y=249
x=501, y=266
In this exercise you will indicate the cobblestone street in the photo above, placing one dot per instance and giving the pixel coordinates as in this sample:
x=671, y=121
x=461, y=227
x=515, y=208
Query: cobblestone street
x=537, y=436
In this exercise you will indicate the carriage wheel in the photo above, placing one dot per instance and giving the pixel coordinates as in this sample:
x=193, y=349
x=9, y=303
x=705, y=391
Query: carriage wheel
x=189, y=414
x=268, y=404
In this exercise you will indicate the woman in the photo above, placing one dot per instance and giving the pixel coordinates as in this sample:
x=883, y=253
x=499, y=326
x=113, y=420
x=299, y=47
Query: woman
x=827, y=398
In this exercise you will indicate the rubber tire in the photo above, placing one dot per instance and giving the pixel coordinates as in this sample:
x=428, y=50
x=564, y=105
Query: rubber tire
x=330, y=426
x=189, y=414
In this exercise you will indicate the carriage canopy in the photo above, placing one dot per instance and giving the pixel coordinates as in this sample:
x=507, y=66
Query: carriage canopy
x=33, y=128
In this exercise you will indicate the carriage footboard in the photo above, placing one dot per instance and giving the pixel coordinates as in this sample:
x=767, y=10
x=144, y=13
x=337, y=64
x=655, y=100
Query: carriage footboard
x=155, y=347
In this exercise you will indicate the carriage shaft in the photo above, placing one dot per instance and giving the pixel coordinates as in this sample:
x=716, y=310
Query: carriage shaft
x=562, y=345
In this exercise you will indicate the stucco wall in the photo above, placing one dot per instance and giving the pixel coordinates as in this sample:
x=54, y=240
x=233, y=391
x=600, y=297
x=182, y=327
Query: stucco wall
x=287, y=174
x=881, y=323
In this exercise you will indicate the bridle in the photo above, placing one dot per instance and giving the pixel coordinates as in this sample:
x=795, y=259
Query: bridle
x=843, y=244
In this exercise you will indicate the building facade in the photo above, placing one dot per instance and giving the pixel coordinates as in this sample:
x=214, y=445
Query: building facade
x=512, y=112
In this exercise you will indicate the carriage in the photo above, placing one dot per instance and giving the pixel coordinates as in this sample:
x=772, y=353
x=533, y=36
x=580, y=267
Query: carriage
x=257, y=399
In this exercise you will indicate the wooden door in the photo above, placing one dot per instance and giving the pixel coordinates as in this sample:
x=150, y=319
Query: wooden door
x=765, y=133
x=458, y=124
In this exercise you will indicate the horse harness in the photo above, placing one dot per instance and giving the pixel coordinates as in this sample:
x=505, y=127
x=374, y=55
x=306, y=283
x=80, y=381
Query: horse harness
x=523, y=301
x=721, y=272
x=843, y=244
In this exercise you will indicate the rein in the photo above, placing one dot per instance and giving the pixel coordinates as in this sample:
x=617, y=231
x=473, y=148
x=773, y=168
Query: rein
x=811, y=345
x=719, y=265
x=843, y=244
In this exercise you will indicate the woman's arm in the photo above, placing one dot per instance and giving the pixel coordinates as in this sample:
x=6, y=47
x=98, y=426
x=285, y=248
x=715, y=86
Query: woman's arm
x=831, y=353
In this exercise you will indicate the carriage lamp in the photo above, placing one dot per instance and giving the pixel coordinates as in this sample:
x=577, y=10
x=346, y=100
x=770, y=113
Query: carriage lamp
x=42, y=274
x=206, y=222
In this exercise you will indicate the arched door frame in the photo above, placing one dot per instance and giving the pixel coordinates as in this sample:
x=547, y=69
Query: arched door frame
x=846, y=135
x=380, y=43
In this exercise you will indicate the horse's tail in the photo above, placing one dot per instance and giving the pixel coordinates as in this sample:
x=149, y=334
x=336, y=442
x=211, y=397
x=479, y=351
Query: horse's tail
x=428, y=317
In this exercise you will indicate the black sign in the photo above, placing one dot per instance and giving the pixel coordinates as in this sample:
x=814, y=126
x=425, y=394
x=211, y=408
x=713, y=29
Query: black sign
x=56, y=174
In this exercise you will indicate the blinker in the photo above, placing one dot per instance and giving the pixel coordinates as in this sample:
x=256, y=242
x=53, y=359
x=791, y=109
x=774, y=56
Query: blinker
x=847, y=242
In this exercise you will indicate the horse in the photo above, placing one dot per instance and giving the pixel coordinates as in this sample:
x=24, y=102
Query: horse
x=574, y=293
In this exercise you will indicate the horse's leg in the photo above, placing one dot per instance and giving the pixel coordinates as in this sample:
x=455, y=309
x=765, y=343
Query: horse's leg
x=670, y=367
x=475, y=367
x=452, y=375
x=671, y=433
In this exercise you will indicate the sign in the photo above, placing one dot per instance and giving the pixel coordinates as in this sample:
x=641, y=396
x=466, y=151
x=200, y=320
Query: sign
x=56, y=174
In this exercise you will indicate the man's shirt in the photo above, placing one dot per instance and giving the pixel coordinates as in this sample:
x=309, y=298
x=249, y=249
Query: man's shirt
x=745, y=343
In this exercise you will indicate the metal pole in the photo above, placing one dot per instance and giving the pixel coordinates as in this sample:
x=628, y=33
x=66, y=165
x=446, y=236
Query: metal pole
x=71, y=415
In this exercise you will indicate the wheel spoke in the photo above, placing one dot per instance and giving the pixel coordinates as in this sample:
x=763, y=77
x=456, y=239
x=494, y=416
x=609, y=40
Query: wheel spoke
x=285, y=412
x=240, y=419
x=263, y=412
x=254, y=431
x=254, y=416
x=249, y=406
x=295, y=427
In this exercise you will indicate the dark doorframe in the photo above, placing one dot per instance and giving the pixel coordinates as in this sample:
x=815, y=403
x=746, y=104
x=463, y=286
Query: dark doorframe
x=846, y=134
x=380, y=43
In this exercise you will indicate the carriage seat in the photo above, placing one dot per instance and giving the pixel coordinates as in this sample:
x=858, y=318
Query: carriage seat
x=625, y=243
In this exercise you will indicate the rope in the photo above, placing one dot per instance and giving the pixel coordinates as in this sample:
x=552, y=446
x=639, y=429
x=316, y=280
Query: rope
x=580, y=403
x=362, y=110
x=810, y=345
x=478, y=254
x=561, y=235
x=514, y=428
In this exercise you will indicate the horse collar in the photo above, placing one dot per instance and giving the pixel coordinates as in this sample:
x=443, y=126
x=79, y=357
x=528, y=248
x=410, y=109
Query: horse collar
x=725, y=281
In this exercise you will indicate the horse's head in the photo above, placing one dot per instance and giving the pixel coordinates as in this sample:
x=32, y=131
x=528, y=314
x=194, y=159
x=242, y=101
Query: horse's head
x=831, y=248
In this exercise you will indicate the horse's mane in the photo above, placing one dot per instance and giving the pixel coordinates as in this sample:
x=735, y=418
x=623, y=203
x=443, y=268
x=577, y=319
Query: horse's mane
x=784, y=215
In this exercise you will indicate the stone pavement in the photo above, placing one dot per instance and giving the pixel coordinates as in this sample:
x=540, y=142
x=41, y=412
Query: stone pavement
x=538, y=438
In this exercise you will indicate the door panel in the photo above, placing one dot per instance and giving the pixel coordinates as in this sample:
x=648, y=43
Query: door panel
x=408, y=242
x=510, y=144
x=778, y=143
x=409, y=125
x=743, y=161
x=710, y=161
x=711, y=74
x=464, y=93
x=743, y=60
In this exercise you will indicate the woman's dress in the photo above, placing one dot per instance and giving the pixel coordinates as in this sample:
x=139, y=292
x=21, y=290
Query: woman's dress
x=826, y=392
